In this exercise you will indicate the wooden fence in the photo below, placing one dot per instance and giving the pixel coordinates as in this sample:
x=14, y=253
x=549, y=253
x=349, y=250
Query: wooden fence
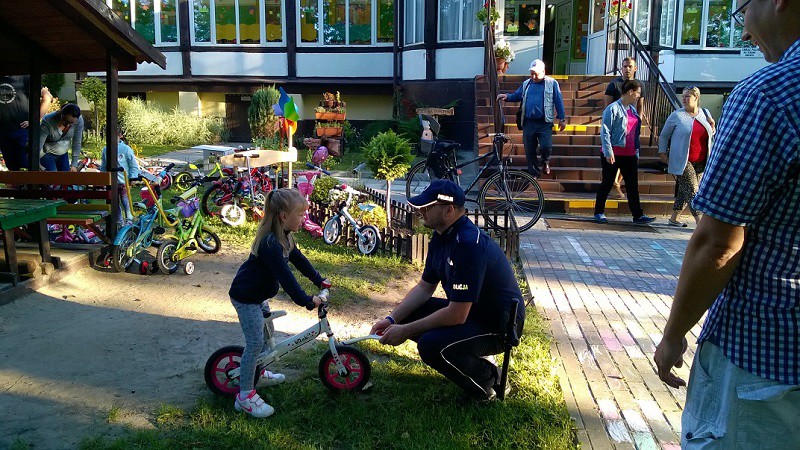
x=401, y=241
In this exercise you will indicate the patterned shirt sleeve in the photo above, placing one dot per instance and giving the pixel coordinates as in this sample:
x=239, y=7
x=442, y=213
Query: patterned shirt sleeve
x=750, y=162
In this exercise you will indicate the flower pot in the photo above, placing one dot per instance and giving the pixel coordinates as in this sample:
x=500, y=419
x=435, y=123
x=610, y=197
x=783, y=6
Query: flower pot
x=339, y=117
x=329, y=116
x=502, y=65
x=321, y=131
x=328, y=103
x=333, y=131
x=320, y=115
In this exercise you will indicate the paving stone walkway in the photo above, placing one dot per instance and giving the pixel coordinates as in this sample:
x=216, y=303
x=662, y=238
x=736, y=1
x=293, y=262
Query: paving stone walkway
x=606, y=296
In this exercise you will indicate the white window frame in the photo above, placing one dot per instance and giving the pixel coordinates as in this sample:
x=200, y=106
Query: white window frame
x=634, y=12
x=703, y=30
x=321, y=29
x=411, y=13
x=667, y=7
x=156, y=20
x=262, y=11
x=460, y=26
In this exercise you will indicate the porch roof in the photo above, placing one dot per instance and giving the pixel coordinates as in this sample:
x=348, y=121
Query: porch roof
x=68, y=36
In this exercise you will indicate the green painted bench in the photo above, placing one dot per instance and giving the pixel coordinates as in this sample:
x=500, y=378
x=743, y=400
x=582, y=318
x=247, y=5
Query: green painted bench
x=16, y=213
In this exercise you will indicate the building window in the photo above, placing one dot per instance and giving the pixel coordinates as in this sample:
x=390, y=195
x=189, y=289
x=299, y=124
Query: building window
x=248, y=22
x=155, y=20
x=346, y=22
x=641, y=20
x=521, y=18
x=415, y=21
x=707, y=24
x=457, y=20
x=666, y=33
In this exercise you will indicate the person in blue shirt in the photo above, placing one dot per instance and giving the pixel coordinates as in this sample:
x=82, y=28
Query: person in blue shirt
x=541, y=104
x=127, y=160
x=259, y=278
x=454, y=335
x=743, y=260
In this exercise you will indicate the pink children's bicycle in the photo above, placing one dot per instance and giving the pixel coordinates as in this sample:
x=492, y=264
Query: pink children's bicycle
x=305, y=184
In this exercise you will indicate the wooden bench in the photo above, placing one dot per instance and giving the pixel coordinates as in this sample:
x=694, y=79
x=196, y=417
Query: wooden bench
x=58, y=185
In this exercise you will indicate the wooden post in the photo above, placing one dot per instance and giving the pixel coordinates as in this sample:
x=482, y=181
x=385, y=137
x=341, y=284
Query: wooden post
x=112, y=94
x=34, y=127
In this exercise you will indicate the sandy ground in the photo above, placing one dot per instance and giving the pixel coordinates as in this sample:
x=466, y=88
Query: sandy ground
x=97, y=342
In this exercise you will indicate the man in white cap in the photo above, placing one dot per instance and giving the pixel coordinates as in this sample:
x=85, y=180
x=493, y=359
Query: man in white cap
x=541, y=104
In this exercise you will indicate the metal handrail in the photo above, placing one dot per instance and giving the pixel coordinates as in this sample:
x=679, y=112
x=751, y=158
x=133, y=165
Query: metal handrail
x=660, y=97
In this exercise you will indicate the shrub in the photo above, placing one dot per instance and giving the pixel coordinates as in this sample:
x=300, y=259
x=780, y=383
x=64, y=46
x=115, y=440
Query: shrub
x=149, y=124
x=94, y=91
x=373, y=129
x=410, y=129
x=260, y=116
x=322, y=188
x=377, y=216
x=389, y=157
x=54, y=82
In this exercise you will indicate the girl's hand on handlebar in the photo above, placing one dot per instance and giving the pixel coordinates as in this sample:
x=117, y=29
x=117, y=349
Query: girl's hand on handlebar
x=326, y=284
x=317, y=300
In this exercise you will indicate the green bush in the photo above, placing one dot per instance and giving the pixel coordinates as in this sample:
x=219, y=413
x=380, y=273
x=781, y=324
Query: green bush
x=410, y=129
x=388, y=155
x=260, y=115
x=148, y=124
x=94, y=91
x=377, y=216
x=322, y=187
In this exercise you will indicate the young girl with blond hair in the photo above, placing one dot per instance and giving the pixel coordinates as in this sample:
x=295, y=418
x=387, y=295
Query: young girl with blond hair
x=259, y=278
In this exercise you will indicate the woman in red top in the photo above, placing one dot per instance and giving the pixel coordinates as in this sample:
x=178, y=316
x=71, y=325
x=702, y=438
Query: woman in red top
x=684, y=144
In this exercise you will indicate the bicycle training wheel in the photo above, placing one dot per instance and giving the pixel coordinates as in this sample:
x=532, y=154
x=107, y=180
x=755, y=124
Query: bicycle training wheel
x=183, y=181
x=122, y=254
x=208, y=240
x=417, y=179
x=357, y=365
x=524, y=202
x=370, y=240
x=332, y=231
x=218, y=371
x=164, y=259
x=232, y=214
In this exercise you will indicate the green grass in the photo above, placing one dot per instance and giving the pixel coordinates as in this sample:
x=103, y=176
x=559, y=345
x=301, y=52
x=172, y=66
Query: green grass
x=408, y=406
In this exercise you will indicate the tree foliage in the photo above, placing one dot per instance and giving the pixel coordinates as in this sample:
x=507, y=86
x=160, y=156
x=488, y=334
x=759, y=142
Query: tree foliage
x=260, y=115
x=388, y=155
x=94, y=91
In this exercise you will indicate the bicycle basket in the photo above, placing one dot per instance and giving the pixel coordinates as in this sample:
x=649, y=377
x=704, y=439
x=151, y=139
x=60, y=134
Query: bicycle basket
x=425, y=147
x=189, y=207
x=437, y=163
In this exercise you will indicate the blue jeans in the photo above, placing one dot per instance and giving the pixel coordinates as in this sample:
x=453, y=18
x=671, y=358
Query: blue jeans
x=51, y=162
x=12, y=144
x=537, y=133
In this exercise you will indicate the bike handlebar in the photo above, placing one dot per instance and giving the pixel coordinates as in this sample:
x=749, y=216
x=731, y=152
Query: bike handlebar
x=323, y=294
x=312, y=166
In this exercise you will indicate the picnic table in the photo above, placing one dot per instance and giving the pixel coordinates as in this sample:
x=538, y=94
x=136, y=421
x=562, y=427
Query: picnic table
x=15, y=213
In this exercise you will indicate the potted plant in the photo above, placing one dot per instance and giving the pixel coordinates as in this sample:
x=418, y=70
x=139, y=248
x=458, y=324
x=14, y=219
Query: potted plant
x=328, y=99
x=618, y=8
x=319, y=112
x=340, y=112
x=487, y=18
x=503, y=55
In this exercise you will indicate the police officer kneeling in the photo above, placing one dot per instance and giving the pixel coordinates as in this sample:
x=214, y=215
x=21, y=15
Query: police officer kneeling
x=454, y=334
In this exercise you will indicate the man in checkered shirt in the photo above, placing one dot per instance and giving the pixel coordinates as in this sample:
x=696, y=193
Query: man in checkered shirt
x=743, y=260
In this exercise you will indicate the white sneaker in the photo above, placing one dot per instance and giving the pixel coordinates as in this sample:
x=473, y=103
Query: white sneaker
x=253, y=405
x=271, y=378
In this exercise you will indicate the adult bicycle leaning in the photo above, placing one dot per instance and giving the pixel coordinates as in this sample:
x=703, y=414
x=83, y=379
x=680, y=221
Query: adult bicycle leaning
x=508, y=198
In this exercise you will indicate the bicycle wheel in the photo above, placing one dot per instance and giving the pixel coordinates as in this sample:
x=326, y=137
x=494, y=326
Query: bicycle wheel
x=166, y=181
x=523, y=203
x=213, y=199
x=370, y=240
x=208, y=240
x=122, y=254
x=217, y=372
x=332, y=230
x=183, y=181
x=164, y=258
x=417, y=179
x=357, y=365
x=232, y=214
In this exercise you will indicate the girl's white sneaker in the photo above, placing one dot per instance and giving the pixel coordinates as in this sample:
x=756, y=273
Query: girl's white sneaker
x=271, y=378
x=253, y=404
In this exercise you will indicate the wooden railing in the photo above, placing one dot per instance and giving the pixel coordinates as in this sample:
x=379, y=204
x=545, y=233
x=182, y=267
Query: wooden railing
x=660, y=97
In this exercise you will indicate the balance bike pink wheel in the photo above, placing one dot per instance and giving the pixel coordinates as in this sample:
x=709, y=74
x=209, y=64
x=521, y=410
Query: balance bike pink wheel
x=218, y=371
x=357, y=365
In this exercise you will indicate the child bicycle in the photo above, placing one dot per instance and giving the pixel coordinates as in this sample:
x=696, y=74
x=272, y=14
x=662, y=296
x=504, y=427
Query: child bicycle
x=368, y=238
x=341, y=368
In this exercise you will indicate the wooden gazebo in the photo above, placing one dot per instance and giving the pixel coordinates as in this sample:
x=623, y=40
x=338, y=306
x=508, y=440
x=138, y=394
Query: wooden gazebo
x=62, y=36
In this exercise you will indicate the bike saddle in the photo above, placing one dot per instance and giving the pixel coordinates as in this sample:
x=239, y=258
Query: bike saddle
x=447, y=146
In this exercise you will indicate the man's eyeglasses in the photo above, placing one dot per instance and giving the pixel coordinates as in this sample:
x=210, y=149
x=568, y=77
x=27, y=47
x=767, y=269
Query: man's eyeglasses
x=738, y=15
